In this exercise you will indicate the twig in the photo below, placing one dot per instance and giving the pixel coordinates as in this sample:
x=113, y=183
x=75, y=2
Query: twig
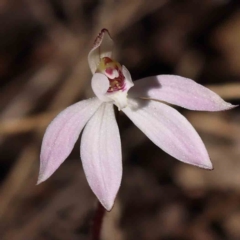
x=42, y=220
x=227, y=91
x=27, y=124
x=214, y=124
x=42, y=81
x=122, y=12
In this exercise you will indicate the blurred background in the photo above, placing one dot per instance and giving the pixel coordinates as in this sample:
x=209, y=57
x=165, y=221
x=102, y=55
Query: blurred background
x=43, y=68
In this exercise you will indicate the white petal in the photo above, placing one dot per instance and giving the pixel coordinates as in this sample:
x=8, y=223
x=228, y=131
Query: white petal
x=119, y=98
x=101, y=155
x=128, y=79
x=100, y=85
x=169, y=130
x=103, y=47
x=180, y=91
x=61, y=135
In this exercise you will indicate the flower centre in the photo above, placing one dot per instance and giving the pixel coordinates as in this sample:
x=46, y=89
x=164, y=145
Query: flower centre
x=113, y=71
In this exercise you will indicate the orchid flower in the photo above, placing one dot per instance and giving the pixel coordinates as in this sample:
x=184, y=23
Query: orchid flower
x=143, y=102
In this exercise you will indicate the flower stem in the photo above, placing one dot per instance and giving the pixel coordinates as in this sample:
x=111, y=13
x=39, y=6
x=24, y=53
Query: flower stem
x=97, y=222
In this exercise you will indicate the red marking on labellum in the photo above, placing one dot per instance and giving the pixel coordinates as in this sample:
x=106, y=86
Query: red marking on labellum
x=109, y=67
x=109, y=71
x=117, y=84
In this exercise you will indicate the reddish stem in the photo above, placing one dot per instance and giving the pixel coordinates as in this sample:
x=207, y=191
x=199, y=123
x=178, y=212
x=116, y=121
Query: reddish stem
x=97, y=222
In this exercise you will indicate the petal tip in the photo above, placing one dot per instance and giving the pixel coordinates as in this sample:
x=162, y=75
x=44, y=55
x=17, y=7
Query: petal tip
x=100, y=37
x=207, y=166
x=107, y=200
x=108, y=205
x=223, y=106
x=43, y=174
x=41, y=179
x=231, y=106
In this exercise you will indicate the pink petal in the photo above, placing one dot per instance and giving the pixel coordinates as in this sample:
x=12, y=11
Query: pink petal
x=101, y=155
x=169, y=130
x=180, y=91
x=103, y=47
x=61, y=135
